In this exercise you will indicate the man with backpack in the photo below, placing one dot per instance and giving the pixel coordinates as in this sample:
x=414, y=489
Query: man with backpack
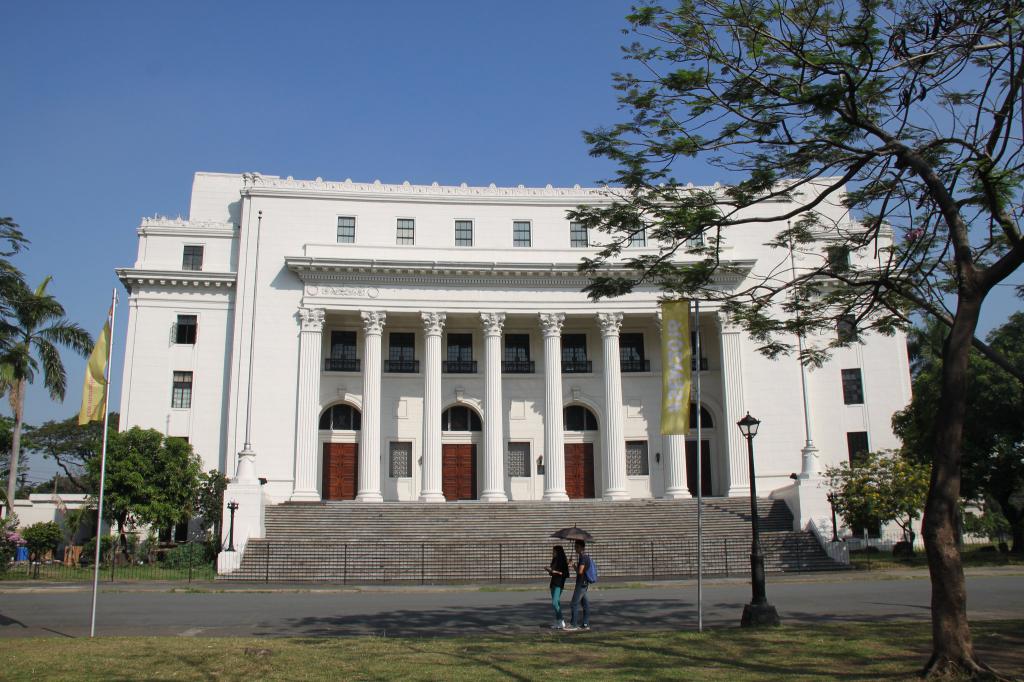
x=586, y=572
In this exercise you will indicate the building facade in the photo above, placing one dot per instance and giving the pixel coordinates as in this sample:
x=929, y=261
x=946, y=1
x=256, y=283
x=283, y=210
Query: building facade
x=432, y=343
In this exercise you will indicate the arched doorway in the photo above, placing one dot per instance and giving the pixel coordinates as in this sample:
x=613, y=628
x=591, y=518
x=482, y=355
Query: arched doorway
x=707, y=426
x=581, y=427
x=458, y=459
x=341, y=452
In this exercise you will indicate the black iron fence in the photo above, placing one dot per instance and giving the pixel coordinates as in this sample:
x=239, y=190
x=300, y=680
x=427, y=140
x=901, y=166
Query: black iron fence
x=187, y=562
x=503, y=562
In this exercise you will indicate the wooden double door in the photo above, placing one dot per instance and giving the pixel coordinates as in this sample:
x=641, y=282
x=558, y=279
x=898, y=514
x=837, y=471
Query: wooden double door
x=705, y=467
x=458, y=471
x=579, y=470
x=341, y=471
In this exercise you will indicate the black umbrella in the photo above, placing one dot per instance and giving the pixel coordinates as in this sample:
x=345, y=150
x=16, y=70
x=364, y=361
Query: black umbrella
x=573, y=533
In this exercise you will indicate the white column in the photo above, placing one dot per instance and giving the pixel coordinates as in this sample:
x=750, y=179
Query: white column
x=673, y=448
x=732, y=390
x=369, y=446
x=613, y=444
x=494, y=446
x=311, y=322
x=554, y=448
x=433, y=325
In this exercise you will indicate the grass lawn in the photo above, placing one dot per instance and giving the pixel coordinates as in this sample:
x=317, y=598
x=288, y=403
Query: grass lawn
x=849, y=651
x=57, y=571
x=972, y=555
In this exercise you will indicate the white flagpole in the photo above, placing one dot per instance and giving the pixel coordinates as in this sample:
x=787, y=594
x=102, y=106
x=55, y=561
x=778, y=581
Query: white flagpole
x=700, y=491
x=103, y=466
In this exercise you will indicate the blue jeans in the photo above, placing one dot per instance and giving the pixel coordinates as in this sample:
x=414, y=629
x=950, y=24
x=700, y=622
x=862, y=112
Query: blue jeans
x=579, y=596
x=556, y=603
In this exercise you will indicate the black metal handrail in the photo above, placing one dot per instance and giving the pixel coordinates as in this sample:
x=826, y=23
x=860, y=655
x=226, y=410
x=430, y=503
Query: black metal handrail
x=577, y=366
x=402, y=366
x=342, y=365
x=459, y=366
x=635, y=365
x=518, y=366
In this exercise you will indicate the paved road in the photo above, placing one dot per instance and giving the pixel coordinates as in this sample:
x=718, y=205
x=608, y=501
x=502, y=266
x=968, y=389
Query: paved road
x=282, y=611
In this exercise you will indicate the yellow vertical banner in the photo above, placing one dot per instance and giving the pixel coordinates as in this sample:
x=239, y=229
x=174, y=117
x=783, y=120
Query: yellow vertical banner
x=94, y=391
x=676, y=358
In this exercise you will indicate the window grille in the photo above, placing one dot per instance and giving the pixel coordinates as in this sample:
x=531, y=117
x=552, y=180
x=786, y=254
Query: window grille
x=853, y=387
x=192, y=258
x=518, y=464
x=463, y=233
x=181, y=391
x=400, y=460
x=406, y=231
x=346, y=230
x=636, y=458
x=521, y=233
x=578, y=235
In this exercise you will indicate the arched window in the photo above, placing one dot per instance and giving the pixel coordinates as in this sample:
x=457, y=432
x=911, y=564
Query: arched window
x=578, y=418
x=340, y=418
x=460, y=418
x=705, y=417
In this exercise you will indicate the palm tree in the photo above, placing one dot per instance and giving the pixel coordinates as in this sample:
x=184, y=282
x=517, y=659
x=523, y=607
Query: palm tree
x=31, y=334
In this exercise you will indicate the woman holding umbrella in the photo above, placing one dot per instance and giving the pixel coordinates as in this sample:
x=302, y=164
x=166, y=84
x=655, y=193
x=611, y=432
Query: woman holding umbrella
x=581, y=567
x=559, y=571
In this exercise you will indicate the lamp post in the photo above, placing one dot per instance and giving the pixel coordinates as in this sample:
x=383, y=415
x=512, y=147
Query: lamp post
x=232, y=507
x=758, y=612
x=831, y=497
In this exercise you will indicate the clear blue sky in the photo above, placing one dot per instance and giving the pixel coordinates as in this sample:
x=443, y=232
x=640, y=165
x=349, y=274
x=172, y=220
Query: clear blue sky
x=110, y=107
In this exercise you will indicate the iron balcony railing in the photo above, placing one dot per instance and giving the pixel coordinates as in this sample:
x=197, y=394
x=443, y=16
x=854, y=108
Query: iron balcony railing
x=402, y=366
x=342, y=365
x=577, y=366
x=459, y=366
x=635, y=365
x=518, y=366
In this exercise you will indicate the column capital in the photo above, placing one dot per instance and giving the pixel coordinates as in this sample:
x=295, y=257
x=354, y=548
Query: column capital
x=610, y=323
x=373, y=321
x=551, y=323
x=433, y=323
x=493, y=323
x=312, y=319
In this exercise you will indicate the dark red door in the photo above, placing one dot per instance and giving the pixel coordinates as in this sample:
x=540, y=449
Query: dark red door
x=579, y=470
x=705, y=467
x=458, y=471
x=341, y=467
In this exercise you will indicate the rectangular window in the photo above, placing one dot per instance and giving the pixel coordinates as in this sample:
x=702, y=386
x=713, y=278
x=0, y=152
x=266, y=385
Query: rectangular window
x=517, y=355
x=578, y=235
x=846, y=328
x=853, y=387
x=636, y=458
x=185, y=329
x=631, y=353
x=857, y=446
x=460, y=354
x=638, y=238
x=838, y=258
x=343, y=352
x=518, y=464
x=400, y=459
x=181, y=390
x=401, y=352
x=406, y=231
x=463, y=233
x=192, y=258
x=521, y=233
x=574, y=354
x=696, y=241
x=346, y=230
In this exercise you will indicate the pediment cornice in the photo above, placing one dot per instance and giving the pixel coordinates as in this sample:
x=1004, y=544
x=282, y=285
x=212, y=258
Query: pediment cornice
x=175, y=279
x=171, y=227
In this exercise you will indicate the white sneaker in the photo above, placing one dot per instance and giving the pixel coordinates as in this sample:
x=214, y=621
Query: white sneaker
x=557, y=626
x=561, y=625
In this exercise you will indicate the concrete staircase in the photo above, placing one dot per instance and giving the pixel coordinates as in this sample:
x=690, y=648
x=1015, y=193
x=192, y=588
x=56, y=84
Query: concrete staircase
x=350, y=542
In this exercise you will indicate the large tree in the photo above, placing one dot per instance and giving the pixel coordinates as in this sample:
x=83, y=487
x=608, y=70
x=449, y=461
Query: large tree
x=907, y=115
x=34, y=330
x=70, y=445
x=993, y=446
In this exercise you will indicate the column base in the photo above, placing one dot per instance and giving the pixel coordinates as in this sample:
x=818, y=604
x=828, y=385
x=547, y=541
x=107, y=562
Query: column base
x=616, y=495
x=556, y=496
x=432, y=497
x=493, y=497
x=759, y=615
x=370, y=497
x=682, y=494
x=304, y=496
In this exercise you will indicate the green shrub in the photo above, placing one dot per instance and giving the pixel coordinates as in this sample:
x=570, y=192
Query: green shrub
x=89, y=550
x=181, y=556
x=42, y=537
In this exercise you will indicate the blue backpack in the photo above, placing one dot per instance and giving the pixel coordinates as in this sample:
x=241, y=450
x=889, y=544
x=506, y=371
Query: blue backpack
x=591, y=573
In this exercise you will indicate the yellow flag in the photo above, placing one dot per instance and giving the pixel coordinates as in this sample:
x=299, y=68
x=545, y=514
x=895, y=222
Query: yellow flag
x=675, y=368
x=94, y=391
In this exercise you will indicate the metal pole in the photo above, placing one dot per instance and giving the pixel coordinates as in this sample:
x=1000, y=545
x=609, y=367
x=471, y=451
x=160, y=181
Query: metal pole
x=756, y=555
x=103, y=469
x=700, y=486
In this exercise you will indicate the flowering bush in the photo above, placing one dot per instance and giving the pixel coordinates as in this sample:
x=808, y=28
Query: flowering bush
x=10, y=540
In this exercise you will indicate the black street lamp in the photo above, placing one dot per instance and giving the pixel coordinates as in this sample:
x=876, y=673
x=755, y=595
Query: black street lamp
x=831, y=497
x=232, y=507
x=758, y=612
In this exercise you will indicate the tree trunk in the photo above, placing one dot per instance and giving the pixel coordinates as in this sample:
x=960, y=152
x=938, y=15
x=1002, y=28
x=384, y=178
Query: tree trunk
x=1016, y=519
x=952, y=648
x=18, y=407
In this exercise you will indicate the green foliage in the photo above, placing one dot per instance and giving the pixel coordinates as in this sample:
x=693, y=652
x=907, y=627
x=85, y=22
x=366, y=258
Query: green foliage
x=209, y=503
x=190, y=554
x=150, y=479
x=882, y=487
x=89, y=550
x=989, y=524
x=70, y=445
x=10, y=540
x=43, y=536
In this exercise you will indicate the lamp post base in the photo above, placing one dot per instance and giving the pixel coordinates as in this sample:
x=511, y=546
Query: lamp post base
x=759, y=615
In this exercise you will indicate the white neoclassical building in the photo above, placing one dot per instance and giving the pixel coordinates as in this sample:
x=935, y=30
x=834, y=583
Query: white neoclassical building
x=431, y=343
